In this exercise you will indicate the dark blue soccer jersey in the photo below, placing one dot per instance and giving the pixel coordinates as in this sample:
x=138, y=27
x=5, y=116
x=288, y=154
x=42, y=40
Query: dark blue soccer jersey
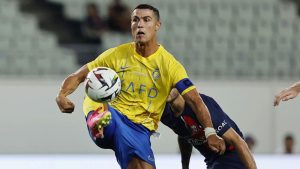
x=188, y=127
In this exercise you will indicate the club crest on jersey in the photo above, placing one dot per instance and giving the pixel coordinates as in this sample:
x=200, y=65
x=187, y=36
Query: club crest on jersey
x=155, y=74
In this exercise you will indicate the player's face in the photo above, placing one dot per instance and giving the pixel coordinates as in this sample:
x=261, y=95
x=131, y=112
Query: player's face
x=144, y=25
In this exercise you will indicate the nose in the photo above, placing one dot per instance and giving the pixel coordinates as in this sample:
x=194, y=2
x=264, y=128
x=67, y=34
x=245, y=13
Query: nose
x=140, y=24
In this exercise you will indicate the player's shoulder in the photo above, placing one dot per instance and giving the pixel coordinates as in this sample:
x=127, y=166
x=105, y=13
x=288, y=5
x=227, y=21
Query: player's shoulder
x=166, y=53
x=168, y=57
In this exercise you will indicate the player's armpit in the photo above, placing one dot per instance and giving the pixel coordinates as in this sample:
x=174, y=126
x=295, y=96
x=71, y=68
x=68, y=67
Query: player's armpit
x=231, y=137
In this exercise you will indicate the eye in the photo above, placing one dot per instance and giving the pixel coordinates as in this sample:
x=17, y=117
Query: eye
x=147, y=19
x=135, y=19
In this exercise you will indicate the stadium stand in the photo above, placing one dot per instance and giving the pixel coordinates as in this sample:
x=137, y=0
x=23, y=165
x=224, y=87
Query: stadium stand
x=25, y=49
x=236, y=39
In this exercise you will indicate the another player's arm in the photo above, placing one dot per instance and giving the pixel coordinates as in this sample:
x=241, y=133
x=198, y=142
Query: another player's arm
x=185, y=152
x=69, y=85
x=240, y=145
x=194, y=100
x=176, y=102
x=288, y=93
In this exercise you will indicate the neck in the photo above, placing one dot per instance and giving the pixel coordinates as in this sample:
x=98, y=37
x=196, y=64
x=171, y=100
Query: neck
x=146, y=49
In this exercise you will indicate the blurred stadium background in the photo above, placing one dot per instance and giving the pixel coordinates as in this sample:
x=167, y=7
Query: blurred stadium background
x=239, y=51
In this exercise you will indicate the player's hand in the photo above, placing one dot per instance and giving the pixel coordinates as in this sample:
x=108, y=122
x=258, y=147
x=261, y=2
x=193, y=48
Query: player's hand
x=173, y=95
x=285, y=95
x=216, y=144
x=64, y=104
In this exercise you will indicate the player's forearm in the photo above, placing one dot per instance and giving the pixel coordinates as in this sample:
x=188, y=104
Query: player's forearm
x=245, y=154
x=193, y=99
x=69, y=85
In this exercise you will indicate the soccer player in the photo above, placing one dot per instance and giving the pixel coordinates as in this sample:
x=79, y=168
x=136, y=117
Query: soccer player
x=182, y=120
x=287, y=94
x=148, y=73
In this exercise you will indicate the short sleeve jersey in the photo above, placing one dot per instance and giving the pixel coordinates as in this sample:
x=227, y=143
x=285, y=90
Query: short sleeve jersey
x=146, y=82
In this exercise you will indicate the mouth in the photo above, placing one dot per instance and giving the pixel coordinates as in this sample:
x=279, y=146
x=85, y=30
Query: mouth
x=140, y=33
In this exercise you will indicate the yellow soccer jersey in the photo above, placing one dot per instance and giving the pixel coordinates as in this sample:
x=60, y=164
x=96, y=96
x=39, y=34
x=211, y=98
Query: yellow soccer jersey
x=146, y=82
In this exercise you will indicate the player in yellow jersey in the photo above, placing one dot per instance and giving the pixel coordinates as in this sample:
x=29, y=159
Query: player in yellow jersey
x=148, y=73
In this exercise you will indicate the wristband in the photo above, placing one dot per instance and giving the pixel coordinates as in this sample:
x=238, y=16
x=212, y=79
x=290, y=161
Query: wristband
x=209, y=131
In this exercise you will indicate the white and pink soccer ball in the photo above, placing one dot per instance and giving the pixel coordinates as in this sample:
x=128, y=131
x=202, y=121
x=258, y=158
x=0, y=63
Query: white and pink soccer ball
x=102, y=84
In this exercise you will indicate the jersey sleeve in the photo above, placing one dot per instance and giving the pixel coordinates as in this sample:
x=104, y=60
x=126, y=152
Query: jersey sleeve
x=174, y=123
x=180, y=78
x=166, y=117
x=103, y=60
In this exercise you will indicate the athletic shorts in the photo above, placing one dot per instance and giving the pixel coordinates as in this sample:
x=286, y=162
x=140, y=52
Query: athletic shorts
x=229, y=160
x=127, y=139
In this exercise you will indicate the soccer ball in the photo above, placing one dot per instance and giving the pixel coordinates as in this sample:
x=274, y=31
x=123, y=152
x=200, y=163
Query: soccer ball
x=102, y=84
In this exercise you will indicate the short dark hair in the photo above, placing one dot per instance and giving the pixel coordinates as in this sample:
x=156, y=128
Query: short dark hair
x=91, y=5
x=147, y=6
x=289, y=137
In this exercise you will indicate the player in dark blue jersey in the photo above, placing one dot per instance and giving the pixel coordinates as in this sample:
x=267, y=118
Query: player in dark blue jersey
x=182, y=120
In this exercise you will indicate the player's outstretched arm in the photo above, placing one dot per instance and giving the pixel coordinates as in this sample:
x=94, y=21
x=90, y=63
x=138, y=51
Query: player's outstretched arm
x=69, y=85
x=194, y=100
x=240, y=145
x=287, y=94
x=185, y=152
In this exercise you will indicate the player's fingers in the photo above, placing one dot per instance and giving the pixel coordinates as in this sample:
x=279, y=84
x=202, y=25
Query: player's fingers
x=173, y=95
x=276, y=101
x=286, y=98
x=67, y=110
x=289, y=96
x=281, y=96
x=169, y=99
x=69, y=104
x=68, y=107
x=214, y=149
x=65, y=106
x=60, y=106
x=222, y=149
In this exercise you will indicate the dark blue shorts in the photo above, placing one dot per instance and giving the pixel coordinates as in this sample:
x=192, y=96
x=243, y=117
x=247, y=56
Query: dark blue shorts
x=127, y=139
x=230, y=160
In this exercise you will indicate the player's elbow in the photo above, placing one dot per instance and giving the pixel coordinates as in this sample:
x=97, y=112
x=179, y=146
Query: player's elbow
x=80, y=75
x=76, y=77
x=231, y=137
x=192, y=97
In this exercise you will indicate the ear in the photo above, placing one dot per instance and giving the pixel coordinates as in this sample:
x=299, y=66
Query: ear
x=157, y=26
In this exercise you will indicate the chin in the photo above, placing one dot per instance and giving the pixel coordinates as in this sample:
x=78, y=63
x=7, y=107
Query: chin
x=140, y=42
